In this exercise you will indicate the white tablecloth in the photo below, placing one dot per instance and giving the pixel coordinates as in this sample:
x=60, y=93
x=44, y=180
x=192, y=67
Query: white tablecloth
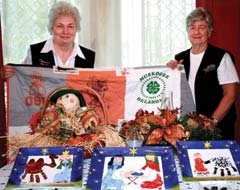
x=229, y=185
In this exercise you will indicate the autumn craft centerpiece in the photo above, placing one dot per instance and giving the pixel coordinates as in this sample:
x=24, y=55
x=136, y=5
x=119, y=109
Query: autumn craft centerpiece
x=66, y=120
x=166, y=128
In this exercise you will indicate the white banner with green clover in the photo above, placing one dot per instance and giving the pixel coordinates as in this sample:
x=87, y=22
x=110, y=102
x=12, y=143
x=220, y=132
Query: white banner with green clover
x=123, y=91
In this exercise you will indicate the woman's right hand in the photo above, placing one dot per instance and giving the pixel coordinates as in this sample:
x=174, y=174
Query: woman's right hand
x=173, y=64
x=7, y=71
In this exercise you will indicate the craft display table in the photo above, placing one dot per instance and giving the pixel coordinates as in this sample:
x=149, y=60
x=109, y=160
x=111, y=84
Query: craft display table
x=222, y=185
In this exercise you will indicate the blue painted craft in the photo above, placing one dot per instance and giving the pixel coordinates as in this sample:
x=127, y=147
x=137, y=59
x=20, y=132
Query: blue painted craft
x=149, y=167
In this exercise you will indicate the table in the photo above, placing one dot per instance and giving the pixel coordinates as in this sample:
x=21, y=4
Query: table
x=184, y=185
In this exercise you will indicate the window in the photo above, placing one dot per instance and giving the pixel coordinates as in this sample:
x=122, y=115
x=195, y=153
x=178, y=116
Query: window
x=23, y=23
x=151, y=31
x=155, y=30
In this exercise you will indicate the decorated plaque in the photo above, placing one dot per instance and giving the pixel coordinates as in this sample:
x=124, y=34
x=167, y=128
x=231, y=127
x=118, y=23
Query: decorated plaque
x=133, y=168
x=55, y=167
x=209, y=160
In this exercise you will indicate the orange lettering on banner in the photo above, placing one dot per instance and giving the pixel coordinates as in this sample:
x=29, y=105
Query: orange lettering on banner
x=110, y=87
x=28, y=100
x=34, y=100
x=37, y=100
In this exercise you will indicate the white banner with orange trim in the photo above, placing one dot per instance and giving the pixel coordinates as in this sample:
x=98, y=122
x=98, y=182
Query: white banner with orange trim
x=123, y=91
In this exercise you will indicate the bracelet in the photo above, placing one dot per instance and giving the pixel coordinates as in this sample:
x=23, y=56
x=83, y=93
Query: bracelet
x=215, y=121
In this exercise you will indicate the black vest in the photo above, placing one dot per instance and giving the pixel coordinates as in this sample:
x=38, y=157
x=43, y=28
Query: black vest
x=208, y=91
x=47, y=59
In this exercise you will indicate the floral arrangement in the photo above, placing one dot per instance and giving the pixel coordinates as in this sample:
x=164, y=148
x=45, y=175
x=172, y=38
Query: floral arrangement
x=199, y=127
x=166, y=128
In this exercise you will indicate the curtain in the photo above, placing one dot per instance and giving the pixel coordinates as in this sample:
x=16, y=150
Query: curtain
x=132, y=33
x=2, y=108
x=101, y=31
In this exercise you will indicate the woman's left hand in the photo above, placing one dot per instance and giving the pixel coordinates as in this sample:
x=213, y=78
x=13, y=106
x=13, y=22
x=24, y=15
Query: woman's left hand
x=7, y=71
